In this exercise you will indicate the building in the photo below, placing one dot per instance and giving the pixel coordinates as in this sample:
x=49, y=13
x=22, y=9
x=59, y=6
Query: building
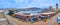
x=56, y=8
x=49, y=9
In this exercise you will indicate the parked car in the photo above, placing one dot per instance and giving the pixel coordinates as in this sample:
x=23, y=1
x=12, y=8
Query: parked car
x=58, y=19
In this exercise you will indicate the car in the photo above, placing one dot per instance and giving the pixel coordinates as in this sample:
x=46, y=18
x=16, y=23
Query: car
x=58, y=19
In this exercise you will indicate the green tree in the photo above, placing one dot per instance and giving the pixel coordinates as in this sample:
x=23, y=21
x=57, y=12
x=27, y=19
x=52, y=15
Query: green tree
x=10, y=12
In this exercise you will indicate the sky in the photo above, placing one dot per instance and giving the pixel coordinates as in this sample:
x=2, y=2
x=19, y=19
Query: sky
x=28, y=3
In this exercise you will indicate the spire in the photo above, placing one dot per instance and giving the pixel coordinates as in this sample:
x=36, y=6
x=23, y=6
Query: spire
x=56, y=8
x=56, y=4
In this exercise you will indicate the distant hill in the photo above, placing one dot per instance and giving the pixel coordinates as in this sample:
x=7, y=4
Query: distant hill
x=31, y=9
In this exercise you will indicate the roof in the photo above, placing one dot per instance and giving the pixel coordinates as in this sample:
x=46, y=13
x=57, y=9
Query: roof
x=29, y=12
x=47, y=13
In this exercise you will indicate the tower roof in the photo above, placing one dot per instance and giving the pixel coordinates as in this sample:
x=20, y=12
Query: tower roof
x=56, y=4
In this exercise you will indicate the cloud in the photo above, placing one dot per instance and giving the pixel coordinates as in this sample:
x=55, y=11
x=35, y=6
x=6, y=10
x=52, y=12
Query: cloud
x=18, y=1
x=4, y=4
x=27, y=3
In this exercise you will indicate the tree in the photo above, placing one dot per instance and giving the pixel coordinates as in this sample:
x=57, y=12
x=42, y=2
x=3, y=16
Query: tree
x=11, y=12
